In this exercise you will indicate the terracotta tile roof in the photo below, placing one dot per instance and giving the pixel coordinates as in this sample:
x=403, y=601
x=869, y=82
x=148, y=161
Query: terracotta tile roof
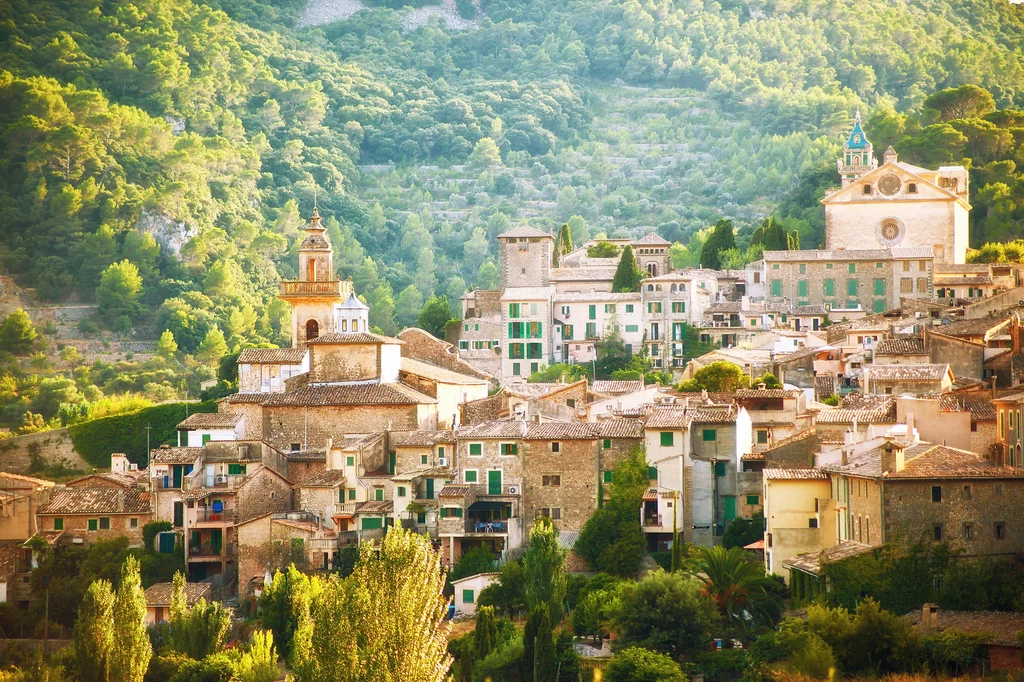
x=793, y=438
x=350, y=394
x=1000, y=628
x=653, y=239
x=410, y=439
x=501, y=428
x=795, y=475
x=824, y=386
x=650, y=494
x=843, y=255
x=620, y=428
x=800, y=310
x=329, y=478
x=166, y=454
x=522, y=389
x=50, y=537
x=881, y=414
x=451, y=490
x=10, y=551
x=340, y=338
x=120, y=480
x=752, y=457
x=376, y=507
x=981, y=410
x=210, y=420
x=914, y=346
x=26, y=479
x=98, y=501
x=617, y=387
x=425, y=472
x=960, y=268
x=940, y=461
x=831, y=437
x=246, y=398
x=811, y=562
x=523, y=231
x=271, y=356
x=705, y=415
x=159, y=594
x=1017, y=365
x=667, y=418
x=439, y=374
x=907, y=373
x=966, y=328
x=306, y=456
x=765, y=393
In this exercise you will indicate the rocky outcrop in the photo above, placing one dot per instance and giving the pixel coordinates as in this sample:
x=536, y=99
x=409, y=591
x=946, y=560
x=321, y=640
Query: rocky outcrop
x=171, y=235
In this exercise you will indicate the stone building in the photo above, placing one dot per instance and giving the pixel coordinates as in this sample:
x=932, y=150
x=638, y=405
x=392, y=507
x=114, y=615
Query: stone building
x=265, y=370
x=896, y=204
x=20, y=498
x=849, y=280
x=930, y=379
x=90, y=513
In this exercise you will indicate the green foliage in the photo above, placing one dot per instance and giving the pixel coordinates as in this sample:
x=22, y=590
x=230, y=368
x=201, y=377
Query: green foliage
x=93, y=634
x=131, y=649
x=473, y=561
x=627, y=274
x=742, y=532
x=95, y=440
x=544, y=569
x=603, y=249
x=559, y=370
x=151, y=530
x=118, y=294
x=813, y=658
x=722, y=239
x=17, y=335
x=664, y=612
x=966, y=101
x=636, y=664
x=281, y=604
x=504, y=664
x=612, y=540
x=951, y=651
x=832, y=400
x=745, y=596
x=719, y=376
x=199, y=630
x=508, y=591
x=768, y=379
x=485, y=632
x=539, y=651
x=436, y=313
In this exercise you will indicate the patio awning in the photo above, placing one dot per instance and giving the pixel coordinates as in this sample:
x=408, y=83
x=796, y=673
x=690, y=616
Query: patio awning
x=487, y=505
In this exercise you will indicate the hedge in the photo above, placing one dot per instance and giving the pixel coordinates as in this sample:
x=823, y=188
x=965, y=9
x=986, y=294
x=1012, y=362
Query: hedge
x=95, y=440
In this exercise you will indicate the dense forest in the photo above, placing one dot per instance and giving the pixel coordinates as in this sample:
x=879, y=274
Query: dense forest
x=158, y=156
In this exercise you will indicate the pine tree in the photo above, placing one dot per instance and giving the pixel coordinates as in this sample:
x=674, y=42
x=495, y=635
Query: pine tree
x=213, y=347
x=17, y=333
x=93, y=634
x=166, y=347
x=131, y=650
x=627, y=274
x=485, y=633
x=119, y=292
x=563, y=244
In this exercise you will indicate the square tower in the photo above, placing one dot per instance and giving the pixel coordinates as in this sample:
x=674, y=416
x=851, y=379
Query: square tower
x=525, y=257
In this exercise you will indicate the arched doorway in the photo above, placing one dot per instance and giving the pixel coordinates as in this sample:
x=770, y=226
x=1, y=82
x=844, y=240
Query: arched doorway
x=312, y=329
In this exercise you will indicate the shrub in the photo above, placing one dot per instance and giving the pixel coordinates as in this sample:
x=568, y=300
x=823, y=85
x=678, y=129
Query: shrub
x=640, y=665
x=814, y=658
x=501, y=665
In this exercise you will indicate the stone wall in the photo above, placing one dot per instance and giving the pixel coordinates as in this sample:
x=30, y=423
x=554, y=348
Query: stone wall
x=965, y=358
x=909, y=511
x=47, y=448
x=863, y=512
x=575, y=465
x=77, y=526
x=312, y=426
x=344, y=362
x=300, y=472
x=795, y=454
x=264, y=491
x=421, y=345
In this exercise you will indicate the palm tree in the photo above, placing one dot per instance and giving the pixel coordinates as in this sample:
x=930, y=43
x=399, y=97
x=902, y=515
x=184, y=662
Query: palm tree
x=744, y=594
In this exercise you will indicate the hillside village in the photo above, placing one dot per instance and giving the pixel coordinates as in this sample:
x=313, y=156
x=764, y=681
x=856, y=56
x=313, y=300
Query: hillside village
x=898, y=410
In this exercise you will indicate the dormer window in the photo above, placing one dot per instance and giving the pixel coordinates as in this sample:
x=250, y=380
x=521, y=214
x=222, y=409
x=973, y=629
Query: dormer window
x=911, y=188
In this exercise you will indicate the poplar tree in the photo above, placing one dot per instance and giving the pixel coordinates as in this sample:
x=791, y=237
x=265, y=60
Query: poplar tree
x=485, y=633
x=93, y=634
x=131, y=650
x=544, y=567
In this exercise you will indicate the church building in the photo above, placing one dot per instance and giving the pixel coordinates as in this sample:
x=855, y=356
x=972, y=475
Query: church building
x=896, y=204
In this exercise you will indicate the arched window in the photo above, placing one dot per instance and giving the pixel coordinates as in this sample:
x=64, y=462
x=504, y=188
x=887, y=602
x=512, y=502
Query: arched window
x=652, y=269
x=311, y=270
x=650, y=287
x=355, y=325
x=312, y=329
x=344, y=325
x=673, y=288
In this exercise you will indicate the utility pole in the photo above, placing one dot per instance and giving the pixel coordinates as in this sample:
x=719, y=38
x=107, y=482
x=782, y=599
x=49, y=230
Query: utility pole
x=535, y=638
x=148, y=429
x=46, y=622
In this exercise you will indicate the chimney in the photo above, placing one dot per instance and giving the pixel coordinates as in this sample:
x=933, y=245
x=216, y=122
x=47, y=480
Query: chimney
x=892, y=457
x=762, y=386
x=120, y=500
x=910, y=427
x=930, y=617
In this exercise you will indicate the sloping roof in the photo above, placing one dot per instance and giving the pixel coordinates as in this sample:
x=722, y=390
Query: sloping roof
x=97, y=501
x=766, y=393
x=713, y=415
x=667, y=418
x=498, y=428
x=27, y=479
x=960, y=268
x=998, y=627
x=350, y=394
x=210, y=420
x=120, y=480
x=795, y=475
x=306, y=455
x=598, y=296
x=981, y=410
x=811, y=562
x=620, y=428
x=882, y=412
x=926, y=461
x=325, y=479
x=562, y=431
x=966, y=328
x=914, y=346
x=246, y=398
x=953, y=280
x=843, y=255
x=271, y=356
x=10, y=551
x=174, y=455
x=617, y=387
x=653, y=239
x=793, y=438
x=439, y=374
x=451, y=490
x=338, y=338
x=907, y=372
x=376, y=507
x=409, y=439
x=159, y=594
x=353, y=303
x=523, y=231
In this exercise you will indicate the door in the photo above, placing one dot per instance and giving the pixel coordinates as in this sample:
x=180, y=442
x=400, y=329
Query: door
x=217, y=540
x=209, y=475
x=494, y=482
x=430, y=488
x=167, y=543
x=730, y=507
x=177, y=476
x=179, y=514
x=391, y=462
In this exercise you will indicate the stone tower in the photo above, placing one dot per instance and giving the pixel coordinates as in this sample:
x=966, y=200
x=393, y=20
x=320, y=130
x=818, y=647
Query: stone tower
x=315, y=293
x=858, y=154
x=525, y=254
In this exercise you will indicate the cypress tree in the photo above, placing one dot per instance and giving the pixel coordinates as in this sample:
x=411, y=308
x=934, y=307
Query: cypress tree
x=721, y=239
x=486, y=632
x=627, y=275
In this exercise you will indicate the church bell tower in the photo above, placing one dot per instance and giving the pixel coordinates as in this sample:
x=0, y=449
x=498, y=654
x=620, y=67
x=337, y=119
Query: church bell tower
x=858, y=155
x=316, y=291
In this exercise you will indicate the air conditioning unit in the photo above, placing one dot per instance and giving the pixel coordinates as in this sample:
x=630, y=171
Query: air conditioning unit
x=133, y=467
x=513, y=490
x=443, y=461
x=221, y=479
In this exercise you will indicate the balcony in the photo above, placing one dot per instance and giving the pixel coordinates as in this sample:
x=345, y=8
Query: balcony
x=210, y=516
x=482, y=527
x=652, y=522
x=332, y=288
x=208, y=552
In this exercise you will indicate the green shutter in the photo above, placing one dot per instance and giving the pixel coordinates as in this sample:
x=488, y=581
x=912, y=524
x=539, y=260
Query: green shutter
x=730, y=507
x=879, y=305
x=719, y=468
x=801, y=288
x=471, y=476
x=350, y=461
x=475, y=448
x=401, y=491
x=93, y=524
x=667, y=439
x=606, y=444
x=709, y=435
x=608, y=477
x=753, y=499
x=372, y=522
x=430, y=489
x=423, y=459
x=851, y=287
x=776, y=287
x=378, y=494
x=593, y=312
x=879, y=287
x=352, y=494
x=467, y=596
x=853, y=268
x=652, y=473
x=58, y=524
x=493, y=482
x=830, y=287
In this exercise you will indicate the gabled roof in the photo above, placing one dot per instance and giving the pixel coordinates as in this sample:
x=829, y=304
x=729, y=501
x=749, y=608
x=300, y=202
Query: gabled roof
x=981, y=410
x=927, y=461
x=914, y=346
x=166, y=454
x=210, y=420
x=966, y=328
x=523, y=231
x=907, y=372
x=271, y=356
x=880, y=412
x=98, y=501
x=350, y=394
x=811, y=562
x=159, y=594
x=653, y=239
x=416, y=439
x=795, y=475
x=617, y=387
x=329, y=478
x=765, y=393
